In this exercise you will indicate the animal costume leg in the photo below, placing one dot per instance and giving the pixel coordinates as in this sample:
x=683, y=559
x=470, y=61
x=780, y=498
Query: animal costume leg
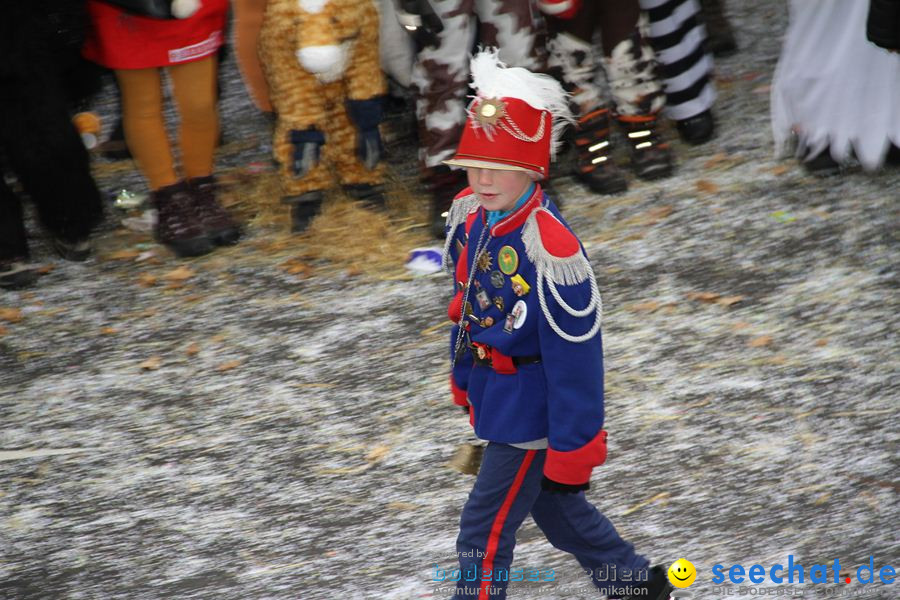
x=341, y=150
x=297, y=98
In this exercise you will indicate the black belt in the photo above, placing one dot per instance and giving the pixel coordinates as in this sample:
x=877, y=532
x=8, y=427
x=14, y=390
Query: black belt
x=516, y=360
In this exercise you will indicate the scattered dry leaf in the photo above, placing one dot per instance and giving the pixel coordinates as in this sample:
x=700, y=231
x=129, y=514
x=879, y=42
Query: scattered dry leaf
x=709, y=297
x=227, y=366
x=780, y=169
x=715, y=160
x=706, y=186
x=655, y=214
x=648, y=306
x=174, y=285
x=124, y=254
x=182, y=273
x=3, y=330
x=109, y=331
x=152, y=363
x=11, y=315
x=147, y=280
x=727, y=301
x=295, y=266
x=760, y=342
x=740, y=326
x=822, y=342
x=43, y=270
x=377, y=453
x=192, y=349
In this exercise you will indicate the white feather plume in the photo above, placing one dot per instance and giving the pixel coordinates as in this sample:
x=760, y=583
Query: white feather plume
x=491, y=78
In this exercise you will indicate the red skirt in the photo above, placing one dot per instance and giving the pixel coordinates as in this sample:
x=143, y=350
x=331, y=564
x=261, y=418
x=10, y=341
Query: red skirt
x=120, y=40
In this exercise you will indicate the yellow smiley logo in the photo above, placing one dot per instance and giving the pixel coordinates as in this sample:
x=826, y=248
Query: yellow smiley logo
x=682, y=573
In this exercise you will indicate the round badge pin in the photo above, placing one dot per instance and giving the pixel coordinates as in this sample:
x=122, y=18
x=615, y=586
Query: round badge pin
x=497, y=279
x=508, y=260
x=520, y=311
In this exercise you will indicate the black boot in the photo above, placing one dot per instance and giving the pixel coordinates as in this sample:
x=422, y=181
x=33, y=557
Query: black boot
x=444, y=184
x=178, y=224
x=651, y=157
x=304, y=208
x=219, y=226
x=594, y=165
x=698, y=129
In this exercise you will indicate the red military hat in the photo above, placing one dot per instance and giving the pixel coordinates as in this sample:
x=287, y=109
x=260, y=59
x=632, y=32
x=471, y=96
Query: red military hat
x=515, y=119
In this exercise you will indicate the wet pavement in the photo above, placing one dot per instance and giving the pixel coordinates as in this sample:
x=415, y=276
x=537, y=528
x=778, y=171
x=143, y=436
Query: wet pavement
x=273, y=421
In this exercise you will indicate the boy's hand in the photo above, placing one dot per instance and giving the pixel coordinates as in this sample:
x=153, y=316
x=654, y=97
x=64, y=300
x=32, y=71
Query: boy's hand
x=563, y=488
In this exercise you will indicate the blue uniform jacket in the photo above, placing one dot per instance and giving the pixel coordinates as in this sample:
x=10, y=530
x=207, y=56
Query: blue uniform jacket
x=532, y=297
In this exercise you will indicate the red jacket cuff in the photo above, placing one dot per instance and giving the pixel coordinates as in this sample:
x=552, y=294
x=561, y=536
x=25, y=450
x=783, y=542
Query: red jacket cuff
x=460, y=397
x=574, y=467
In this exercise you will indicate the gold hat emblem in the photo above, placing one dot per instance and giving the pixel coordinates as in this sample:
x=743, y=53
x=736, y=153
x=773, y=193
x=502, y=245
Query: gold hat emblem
x=490, y=110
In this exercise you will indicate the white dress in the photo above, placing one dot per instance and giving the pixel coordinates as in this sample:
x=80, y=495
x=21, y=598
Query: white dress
x=832, y=87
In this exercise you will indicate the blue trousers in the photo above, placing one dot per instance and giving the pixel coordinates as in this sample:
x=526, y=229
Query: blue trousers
x=507, y=489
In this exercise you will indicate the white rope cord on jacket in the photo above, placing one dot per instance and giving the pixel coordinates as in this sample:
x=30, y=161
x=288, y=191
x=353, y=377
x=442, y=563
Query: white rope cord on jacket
x=595, y=304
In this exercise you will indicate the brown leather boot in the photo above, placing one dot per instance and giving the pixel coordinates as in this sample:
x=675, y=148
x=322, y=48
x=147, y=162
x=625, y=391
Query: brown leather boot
x=178, y=225
x=215, y=220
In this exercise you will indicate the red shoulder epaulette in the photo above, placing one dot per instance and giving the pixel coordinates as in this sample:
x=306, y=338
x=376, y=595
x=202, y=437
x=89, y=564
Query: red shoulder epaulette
x=556, y=239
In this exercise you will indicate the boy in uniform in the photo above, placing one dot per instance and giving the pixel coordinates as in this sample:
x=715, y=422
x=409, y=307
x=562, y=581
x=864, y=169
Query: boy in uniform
x=526, y=352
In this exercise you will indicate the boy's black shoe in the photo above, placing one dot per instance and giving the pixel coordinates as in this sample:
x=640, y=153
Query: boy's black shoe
x=656, y=588
x=17, y=273
x=698, y=129
x=304, y=209
x=177, y=223
x=594, y=165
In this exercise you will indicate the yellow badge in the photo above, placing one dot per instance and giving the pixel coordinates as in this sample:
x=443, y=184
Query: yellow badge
x=519, y=285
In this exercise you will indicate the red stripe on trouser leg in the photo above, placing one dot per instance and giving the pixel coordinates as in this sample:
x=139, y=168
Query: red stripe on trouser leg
x=499, y=521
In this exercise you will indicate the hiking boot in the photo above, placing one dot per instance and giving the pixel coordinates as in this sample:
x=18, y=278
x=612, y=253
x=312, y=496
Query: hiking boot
x=178, y=225
x=720, y=36
x=657, y=586
x=594, y=165
x=651, y=157
x=444, y=184
x=367, y=194
x=304, y=209
x=17, y=273
x=215, y=220
x=77, y=251
x=698, y=129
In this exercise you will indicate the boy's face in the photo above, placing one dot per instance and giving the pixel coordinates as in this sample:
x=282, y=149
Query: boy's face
x=496, y=189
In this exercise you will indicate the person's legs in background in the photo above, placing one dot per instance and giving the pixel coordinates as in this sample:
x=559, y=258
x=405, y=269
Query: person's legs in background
x=194, y=86
x=177, y=224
